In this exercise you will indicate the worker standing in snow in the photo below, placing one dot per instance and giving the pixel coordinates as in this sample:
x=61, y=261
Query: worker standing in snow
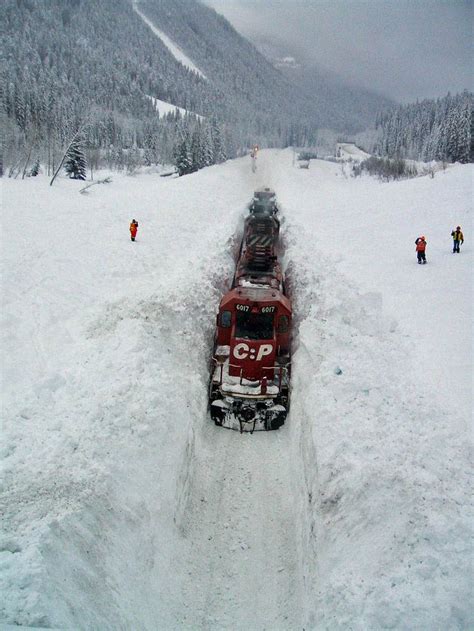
x=133, y=229
x=458, y=237
x=420, y=249
x=253, y=155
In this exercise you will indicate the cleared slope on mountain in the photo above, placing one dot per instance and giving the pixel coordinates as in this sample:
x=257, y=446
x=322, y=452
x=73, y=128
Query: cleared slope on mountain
x=175, y=51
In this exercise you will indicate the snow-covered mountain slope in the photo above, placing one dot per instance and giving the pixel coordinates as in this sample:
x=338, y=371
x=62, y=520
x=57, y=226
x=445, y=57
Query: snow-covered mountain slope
x=124, y=507
x=168, y=42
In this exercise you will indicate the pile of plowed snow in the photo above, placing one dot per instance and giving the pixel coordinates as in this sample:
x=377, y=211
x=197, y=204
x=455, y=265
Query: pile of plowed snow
x=124, y=507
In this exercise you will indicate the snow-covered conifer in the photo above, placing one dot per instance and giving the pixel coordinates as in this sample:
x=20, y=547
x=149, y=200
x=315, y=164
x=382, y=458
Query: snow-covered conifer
x=35, y=169
x=195, y=149
x=183, y=161
x=218, y=149
x=207, y=146
x=75, y=162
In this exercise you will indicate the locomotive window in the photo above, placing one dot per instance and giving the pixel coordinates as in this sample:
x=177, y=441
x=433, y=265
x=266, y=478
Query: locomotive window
x=254, y=326
x=283, y=323
x=226, y=319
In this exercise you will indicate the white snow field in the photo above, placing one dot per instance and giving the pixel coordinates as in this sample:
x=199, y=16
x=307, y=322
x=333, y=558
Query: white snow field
x=124, y=507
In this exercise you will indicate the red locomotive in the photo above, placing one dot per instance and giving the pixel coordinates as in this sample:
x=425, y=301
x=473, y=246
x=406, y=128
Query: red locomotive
x=250, y=380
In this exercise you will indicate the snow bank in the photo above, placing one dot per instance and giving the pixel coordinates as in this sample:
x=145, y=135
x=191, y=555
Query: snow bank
x=106, y=344
x=376, y=372
x=386, y=524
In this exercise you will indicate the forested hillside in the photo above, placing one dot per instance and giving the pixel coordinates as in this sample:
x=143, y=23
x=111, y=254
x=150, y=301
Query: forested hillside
x=94, y=65
x=440, y=129
x=66, y=65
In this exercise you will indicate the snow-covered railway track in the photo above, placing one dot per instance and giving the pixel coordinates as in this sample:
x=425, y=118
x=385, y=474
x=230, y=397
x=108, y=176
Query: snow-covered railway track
x=239, y=534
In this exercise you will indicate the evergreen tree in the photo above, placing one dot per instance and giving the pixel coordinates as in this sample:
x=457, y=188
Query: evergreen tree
x=452, y=135
x=118, y=157
x=150, y=154
x=217, y=148
x=183, y=162
x=207, y=146
x=35, y=169
x=75, y=163
x=20, y=111
x=195, y=150
x=464, y=132
x=132, y=159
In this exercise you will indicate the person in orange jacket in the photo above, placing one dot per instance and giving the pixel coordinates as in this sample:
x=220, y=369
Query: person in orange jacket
x=420, y=249
x=133, y=229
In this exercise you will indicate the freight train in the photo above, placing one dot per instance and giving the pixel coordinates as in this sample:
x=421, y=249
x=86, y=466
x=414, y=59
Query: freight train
x=251, y=364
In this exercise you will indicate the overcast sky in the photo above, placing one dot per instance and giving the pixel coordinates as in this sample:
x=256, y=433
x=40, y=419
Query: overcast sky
x=405, y=49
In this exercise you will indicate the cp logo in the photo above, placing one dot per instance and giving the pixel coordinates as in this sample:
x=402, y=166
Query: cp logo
x=243, y=350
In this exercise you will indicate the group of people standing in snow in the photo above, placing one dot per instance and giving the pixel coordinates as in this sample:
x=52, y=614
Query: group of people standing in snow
x=458, y=238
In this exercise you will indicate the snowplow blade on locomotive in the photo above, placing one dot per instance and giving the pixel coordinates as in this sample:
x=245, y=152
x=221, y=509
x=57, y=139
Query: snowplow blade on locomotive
x=248, y=406
x=247, y=415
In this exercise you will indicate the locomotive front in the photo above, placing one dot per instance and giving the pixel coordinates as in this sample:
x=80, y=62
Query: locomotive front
x=250, y=380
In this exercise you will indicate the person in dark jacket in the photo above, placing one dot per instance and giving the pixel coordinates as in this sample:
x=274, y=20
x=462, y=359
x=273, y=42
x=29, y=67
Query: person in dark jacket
x=420, y=249
x=458, y=238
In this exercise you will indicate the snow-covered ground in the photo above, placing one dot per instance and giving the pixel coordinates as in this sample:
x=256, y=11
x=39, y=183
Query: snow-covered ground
x=168, y=42
x=125, y=507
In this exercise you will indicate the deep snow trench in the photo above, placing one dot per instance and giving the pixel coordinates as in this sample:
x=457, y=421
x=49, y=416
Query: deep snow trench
x=125, y=507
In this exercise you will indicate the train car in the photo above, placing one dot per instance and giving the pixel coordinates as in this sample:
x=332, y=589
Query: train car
x=250, y=376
